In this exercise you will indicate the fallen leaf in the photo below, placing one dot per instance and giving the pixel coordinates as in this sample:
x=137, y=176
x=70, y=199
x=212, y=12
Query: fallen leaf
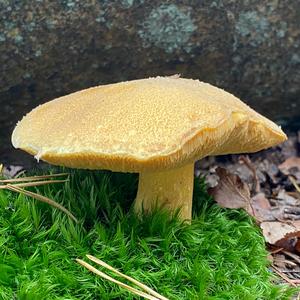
x=260, y=201
x=261, y=208
x=297, y=246
x=268, y=168
x=231, y=191
x=276, y=231
x=11, y=171
x=242, y=171
x=287, y=199
x=211, y=178
x=290, y=163
x=282, y=234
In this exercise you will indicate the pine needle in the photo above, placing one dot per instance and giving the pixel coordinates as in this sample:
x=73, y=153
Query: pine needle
x=35, y=183
x=32, y=178
x=125, y=286
x=16, y=185
x=139, y=284
x=41, y=198
x=294, y=182
x=283, y=276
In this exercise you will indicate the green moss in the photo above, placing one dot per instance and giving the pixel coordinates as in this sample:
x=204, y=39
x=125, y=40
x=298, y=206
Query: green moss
x=221, y=255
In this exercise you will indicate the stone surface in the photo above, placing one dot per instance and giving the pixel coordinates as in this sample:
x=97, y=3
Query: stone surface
x=51, y=48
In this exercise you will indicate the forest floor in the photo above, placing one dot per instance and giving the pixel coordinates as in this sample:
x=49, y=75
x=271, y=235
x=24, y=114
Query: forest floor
x=242, y=242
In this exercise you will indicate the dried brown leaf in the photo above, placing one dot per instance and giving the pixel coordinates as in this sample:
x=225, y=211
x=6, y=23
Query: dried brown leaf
x=260, y=201
x=266, y=167
x=231, y=191
x=281, y=234
x=276, y=231
x=287, y=199
x=261, y=208
x=287, y=165
x=12, y=171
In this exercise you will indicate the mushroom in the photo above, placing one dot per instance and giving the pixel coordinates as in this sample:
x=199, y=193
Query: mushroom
x=157, y=127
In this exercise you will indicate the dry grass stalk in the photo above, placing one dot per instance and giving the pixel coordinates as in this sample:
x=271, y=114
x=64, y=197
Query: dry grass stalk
x=139, y=284
x=292, y=255
x=29, y=184
x=151, y=294
x=32, y=178
x=294, y=182
x=283, y=276
x=17, y=185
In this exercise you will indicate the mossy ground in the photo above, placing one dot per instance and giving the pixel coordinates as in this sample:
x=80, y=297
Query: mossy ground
x=221, y=255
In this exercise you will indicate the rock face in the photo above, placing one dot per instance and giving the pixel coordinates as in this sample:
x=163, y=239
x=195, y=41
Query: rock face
x=51, y=48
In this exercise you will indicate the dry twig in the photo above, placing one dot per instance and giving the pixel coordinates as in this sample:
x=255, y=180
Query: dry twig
x=246, y=160
x=292, y=255
x=283, y=276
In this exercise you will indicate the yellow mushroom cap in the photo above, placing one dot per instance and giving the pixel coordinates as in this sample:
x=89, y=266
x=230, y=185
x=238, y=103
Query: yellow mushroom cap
x=143, y=125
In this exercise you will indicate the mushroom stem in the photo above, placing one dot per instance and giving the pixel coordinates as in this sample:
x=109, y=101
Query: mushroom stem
x=171, y=189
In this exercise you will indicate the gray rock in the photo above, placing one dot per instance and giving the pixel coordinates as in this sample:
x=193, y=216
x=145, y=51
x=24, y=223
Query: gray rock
x=51, y=48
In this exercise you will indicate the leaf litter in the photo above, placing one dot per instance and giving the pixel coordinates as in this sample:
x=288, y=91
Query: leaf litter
x=266, y=186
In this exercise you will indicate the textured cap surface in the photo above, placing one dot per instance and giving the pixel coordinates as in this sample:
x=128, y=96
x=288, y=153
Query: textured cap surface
x=143, y=125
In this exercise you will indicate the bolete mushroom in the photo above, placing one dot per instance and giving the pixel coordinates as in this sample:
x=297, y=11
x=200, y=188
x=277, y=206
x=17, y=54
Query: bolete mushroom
x=157, y=127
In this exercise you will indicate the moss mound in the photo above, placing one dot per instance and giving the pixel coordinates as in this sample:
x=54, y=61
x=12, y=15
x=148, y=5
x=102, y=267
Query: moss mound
x=221, y=255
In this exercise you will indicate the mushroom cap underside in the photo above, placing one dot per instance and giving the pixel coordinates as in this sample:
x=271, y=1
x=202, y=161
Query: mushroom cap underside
x=143, y=125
